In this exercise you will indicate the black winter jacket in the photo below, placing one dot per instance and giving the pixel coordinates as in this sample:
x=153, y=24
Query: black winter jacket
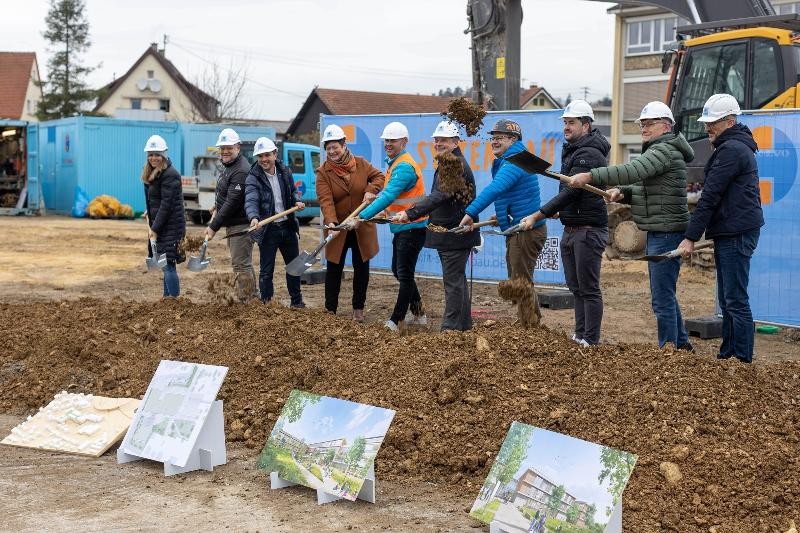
x=230, y=194
x=446, y=211
x=731, y=201
x=260, y=202
x=165, y=211
x=578, y=207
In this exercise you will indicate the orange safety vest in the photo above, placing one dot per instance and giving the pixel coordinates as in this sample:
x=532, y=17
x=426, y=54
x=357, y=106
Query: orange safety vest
x=408, y=198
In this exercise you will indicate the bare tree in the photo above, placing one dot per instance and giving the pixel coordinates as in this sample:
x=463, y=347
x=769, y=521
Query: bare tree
x=226, y=85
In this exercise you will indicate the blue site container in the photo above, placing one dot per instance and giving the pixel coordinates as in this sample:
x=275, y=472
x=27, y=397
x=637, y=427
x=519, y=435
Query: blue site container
x=84, y=157
x=199, y=138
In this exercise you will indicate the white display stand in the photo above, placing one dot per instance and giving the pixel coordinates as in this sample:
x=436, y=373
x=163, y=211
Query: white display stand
x=614, y=524
x=208, y=450
x=367, y=492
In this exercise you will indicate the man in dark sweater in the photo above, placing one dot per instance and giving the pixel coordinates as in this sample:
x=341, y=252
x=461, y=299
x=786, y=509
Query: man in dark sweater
x=729, y=212
x=229, y=212
x=584, y=217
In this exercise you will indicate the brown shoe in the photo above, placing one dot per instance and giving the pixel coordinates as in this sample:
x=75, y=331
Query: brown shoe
x=358, y=315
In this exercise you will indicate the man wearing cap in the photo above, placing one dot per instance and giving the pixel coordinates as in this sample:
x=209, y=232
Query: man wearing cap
x=445, y=205
x=515, y=194
x=729, y=212
x=654, y=184
x=229, y=212
x=585, y=220
x=270, y=189
x=404, y=187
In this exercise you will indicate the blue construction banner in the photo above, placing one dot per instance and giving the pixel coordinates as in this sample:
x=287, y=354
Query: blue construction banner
x=541, y=132
x=775, y=268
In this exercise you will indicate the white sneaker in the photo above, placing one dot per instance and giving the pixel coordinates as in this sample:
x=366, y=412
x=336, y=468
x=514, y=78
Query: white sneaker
x=412, y=319
x=583, y=343
x=391, y=325
x=576, y=339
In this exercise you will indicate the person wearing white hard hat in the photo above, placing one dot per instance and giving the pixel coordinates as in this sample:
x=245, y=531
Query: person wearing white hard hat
x=450, y=195
x=729, y=212
x=165, y=213
x=343, y=182
x=585, y=219
x=229, y=212
x=654, y=184
x=404, y=188
x=270, y=189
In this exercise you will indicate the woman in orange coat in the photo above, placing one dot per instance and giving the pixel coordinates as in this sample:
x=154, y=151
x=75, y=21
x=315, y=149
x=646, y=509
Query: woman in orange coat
x=343, y=182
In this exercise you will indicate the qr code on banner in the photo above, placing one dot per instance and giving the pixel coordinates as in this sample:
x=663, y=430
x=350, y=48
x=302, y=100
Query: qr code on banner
x=549, y=258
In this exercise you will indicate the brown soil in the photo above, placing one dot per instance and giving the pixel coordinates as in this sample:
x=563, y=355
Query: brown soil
x=450, y=171
x=191, y=243
x=467, y=113
x=521, y=293
x=731, y=430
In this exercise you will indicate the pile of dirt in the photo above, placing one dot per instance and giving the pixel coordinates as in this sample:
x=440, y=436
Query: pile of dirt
x=467, y=113
x=191, y=243
x=730, y=429
x=521, y=293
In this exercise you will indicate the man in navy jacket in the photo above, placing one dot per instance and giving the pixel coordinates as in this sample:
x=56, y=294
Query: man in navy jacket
x=729, y=212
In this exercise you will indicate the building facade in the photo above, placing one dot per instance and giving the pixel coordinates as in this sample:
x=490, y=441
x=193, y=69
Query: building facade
x=20, y=93
x=533, y=490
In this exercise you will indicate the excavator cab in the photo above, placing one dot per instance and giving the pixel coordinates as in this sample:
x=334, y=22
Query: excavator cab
x=757, y=60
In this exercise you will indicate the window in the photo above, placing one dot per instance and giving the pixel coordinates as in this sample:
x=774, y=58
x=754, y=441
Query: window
x=652, y=36
x=150, y=74
x=297, y=161
x=315, y=159
x=786, y=9
x=136, y=103
x=767, y=83
x=163, y=105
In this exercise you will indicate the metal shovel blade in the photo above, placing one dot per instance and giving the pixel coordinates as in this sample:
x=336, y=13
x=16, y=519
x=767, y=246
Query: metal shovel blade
x=529, y=162
x=155, y=261
x=196, y=264
x=660, y=257
x=301, y=263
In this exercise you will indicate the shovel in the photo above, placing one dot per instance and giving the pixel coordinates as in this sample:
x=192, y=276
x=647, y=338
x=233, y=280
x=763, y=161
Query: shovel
x=458, y=230
x=674, y=253
x=263, y=223
x=536, y=165
x=376, y=220
x=196, y=264
x=510, y=231
x=155, y=261
x=306, y=260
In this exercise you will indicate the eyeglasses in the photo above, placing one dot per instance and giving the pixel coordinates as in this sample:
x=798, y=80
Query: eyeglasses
x=643, y=124
x=498, y=138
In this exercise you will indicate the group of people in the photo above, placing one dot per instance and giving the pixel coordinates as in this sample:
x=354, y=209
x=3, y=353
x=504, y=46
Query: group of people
x=351, y=192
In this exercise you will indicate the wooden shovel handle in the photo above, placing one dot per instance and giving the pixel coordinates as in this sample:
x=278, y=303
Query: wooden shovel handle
x=355, y=213
x=590, y=188
x=275, y=217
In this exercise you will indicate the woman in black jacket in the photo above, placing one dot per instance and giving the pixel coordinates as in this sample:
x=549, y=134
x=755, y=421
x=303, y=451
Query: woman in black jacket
x=165, y=213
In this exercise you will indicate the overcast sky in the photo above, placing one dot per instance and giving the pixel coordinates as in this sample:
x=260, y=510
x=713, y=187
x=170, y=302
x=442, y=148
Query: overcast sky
x=289, y=46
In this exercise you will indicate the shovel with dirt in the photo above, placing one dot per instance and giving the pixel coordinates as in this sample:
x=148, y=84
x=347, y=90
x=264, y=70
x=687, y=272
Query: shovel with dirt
x=458, y=230
x=196, y=264
x=155, y=261
x=263, y=223
x=674, y=253
x=536, y=165
x=306, y=260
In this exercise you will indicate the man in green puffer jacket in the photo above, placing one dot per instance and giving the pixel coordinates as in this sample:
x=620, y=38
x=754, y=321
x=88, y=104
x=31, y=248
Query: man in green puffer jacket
x=654, y=184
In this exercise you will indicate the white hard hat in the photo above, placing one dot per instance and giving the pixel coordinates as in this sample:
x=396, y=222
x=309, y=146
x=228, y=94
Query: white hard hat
x=333, y=133
x=395, y=130
x=655, y=110
x=155, y=143
x=264, y=145
x=228, y=137
x=719, y=106
x=446, y=129
x=578, y=109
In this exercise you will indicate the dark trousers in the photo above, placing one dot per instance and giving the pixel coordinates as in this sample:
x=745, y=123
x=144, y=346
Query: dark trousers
x=406, y=247
x=457, y=306
x=732, y=256
x=663, y=288
x=582, y=253
x=278, y=237
x=333, y=276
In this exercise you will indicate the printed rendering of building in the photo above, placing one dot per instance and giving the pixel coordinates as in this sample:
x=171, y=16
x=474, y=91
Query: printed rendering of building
x=533, y=490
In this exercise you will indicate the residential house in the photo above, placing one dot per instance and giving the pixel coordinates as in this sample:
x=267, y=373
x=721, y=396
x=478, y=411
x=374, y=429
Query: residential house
x=535, y=97
x=343, y=102
x=154, y=89
x=19, y=93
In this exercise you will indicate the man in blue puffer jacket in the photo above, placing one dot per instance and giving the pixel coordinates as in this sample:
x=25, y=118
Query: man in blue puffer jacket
x=729, y=212
x=515, y=194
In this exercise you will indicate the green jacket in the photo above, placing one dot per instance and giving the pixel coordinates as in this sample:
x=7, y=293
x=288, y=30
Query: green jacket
x=654, y=184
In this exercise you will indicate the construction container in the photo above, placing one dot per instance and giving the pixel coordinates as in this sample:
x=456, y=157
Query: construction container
x=200, y=140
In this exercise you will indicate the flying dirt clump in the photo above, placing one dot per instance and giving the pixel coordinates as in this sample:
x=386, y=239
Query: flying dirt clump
x=467, y=113
x=450, y=177
x=222, y=289
x=520, y=292
x=191, y=243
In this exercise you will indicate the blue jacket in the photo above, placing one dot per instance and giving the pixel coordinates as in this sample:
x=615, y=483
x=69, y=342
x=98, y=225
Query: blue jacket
x=731, y=201
x=403, y=179
x=259, y=202
x=515, y=193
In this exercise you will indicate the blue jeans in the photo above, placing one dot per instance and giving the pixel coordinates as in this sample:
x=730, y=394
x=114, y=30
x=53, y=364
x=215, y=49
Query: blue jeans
x=732, y=256
x=663, y=285
x=278, y=237
x=172, y=285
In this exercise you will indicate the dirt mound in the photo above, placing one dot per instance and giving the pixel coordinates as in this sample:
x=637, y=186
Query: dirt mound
x=731, y=429
x=521, y=293
x=467, y=113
